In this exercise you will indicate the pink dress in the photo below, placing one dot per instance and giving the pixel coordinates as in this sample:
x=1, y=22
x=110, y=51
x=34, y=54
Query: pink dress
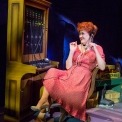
x=70, y=87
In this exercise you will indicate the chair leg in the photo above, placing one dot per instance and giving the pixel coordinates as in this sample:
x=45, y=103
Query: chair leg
x=88, y=119
x=63, y=115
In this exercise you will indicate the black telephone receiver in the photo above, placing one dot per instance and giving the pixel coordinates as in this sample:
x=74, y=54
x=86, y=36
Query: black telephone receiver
x=46, y=60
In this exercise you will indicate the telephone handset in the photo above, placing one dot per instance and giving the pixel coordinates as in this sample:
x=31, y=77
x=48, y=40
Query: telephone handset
x=41, y=63
x=45, y=60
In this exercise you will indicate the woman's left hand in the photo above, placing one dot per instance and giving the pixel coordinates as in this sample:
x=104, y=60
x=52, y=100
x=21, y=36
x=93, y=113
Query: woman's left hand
x=91, y=44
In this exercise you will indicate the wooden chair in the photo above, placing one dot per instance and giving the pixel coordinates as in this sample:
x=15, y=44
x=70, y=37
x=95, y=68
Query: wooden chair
x=92, y=96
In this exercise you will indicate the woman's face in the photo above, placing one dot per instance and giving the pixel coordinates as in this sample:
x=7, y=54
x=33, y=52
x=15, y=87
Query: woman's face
x=84, y=37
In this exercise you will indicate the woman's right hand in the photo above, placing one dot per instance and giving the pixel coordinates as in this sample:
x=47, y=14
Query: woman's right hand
x=73, y=46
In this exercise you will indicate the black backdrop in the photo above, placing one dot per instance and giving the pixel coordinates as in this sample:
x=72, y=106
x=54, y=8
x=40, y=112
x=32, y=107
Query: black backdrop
x=105, y=14
x=3, y=40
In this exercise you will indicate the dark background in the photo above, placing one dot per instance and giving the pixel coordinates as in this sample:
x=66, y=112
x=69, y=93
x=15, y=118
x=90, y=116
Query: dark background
x=3, y=40
x=64, y=14
x=63, y=17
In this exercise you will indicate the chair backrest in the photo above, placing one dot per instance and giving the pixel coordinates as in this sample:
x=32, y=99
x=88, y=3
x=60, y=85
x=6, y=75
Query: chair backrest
x=92, y=85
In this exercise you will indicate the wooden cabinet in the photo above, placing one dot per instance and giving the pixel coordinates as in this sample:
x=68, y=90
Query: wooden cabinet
x=23, y=79
x=13, y=90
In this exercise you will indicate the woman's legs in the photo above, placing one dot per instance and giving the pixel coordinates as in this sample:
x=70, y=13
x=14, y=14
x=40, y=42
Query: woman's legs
x=41, y=116
x=43, y=101
x=44, y=98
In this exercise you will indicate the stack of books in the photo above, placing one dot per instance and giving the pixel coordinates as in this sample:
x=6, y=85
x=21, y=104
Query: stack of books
x=112, y=95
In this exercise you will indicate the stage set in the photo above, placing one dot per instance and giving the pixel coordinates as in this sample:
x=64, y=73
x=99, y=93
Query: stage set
x=27, y=63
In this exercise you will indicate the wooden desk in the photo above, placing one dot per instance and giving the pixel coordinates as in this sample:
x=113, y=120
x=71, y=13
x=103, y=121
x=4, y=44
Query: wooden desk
x=23, y=84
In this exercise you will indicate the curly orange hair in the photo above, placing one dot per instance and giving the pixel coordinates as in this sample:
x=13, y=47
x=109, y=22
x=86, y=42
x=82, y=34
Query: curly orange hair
x=87, y=26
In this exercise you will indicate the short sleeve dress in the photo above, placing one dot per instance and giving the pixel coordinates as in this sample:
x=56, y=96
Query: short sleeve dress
x=70, y=87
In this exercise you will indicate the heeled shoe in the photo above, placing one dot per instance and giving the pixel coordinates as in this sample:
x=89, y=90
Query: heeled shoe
x=35, y=108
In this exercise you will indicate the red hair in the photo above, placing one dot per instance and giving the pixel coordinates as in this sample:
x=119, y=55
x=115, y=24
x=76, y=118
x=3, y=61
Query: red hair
x=87, y=26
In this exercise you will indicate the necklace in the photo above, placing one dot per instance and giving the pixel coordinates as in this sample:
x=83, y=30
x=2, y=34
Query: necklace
x=79, y=57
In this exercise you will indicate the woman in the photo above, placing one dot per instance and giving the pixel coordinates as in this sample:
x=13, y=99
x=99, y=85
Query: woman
x=70, y=87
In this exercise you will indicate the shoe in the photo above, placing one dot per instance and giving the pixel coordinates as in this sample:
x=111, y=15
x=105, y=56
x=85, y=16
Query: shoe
x=35, y=108
x=35, y=115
